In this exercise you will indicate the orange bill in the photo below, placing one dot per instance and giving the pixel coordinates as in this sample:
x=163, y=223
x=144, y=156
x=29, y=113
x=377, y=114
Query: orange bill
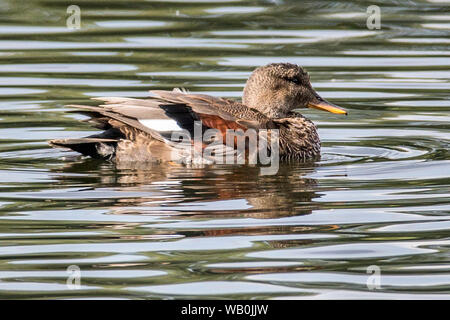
x=326, y=106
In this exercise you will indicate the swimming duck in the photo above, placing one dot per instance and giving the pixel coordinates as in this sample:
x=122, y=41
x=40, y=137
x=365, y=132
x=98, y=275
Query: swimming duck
x=139, y=130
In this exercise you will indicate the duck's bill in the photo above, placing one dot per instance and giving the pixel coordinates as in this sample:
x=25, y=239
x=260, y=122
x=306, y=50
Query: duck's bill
x=327, y=106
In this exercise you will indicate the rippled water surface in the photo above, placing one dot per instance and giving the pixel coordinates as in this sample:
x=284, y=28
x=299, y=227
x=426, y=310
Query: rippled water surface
x=379, y=195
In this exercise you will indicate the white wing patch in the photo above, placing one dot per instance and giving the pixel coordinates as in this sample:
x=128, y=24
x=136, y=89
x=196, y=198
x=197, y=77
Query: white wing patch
x=161, y=124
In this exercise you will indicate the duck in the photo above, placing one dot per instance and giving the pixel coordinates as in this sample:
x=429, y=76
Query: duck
x=142, y=130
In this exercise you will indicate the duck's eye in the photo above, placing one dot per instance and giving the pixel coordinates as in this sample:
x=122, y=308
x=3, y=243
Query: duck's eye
x=294, y=80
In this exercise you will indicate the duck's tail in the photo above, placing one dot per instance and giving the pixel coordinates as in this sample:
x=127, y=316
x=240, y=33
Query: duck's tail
x=98, y=148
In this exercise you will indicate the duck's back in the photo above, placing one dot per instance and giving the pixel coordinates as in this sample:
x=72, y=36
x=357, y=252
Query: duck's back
x=143, y=130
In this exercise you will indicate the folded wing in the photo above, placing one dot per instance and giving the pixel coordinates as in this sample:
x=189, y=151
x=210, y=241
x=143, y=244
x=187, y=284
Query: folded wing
x=141, y=126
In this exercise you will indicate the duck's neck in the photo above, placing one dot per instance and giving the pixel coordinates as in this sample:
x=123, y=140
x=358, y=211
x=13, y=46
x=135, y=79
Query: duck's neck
x=274, y=113
x=269, y=106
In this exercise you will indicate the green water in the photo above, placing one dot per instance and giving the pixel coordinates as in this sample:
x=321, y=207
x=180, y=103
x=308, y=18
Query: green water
x=379, y=195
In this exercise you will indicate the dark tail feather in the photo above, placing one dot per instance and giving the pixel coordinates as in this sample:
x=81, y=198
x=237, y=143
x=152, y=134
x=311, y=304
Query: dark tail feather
x=98, y=148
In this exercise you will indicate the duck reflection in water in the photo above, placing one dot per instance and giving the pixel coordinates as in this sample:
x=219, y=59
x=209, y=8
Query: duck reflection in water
x=287, y=193
x=210, y=193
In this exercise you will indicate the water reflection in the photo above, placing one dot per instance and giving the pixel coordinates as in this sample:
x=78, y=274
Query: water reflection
x=202, y=190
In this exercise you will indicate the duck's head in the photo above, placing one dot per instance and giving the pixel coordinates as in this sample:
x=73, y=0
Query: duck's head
x=278, y=88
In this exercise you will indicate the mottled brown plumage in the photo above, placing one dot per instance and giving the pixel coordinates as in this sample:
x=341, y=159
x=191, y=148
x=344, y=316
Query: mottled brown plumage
x=140, y=130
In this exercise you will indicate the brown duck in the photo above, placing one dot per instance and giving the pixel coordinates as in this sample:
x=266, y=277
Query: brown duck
x=139, y=130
